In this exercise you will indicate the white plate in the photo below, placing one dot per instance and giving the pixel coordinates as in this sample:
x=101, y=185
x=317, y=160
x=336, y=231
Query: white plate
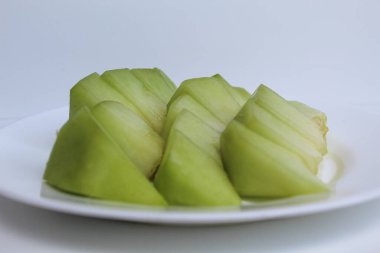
x=25, y=147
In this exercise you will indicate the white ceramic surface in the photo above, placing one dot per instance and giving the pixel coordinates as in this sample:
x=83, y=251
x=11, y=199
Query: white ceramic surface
x=25, y=146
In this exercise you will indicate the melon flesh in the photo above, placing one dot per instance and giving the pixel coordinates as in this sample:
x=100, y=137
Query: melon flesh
x=156, y=82
x=281, y=109
x=211, y=93
x=258, y=167
x=92, y=90
x=267, y=125
x=185, y=102
x=317, y=116
x=188, y=176
x=136, y=138
x=86, y=161
x=149, y=105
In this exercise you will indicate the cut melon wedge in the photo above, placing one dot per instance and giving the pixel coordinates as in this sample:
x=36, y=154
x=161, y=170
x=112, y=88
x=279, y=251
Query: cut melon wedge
x=156, y=82
x=149, y=105
x=185, y=102
x=211, y=93
x=86, y=161
x=281, y=109
x=317, y=116
x=258, y=167
x=206, y=138
x=92, y=90
x=238, y=93
x=188, y=176
x=139, y=141
x=267, y=125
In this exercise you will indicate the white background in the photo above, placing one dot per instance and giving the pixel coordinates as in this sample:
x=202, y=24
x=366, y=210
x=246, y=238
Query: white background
x=314, y=51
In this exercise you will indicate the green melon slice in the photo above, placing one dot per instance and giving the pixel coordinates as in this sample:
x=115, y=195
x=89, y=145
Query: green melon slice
x=188, y=176
x=238, y=93
x=156, y=82
x=212, y=94
x=267, y=125
x=91, y=90
x=149, y=105
x=86, y=161
x=258, y=167
x=139, y=141
x=199, y=133
x=185, y=102
x=281, y=109
x=317, y=116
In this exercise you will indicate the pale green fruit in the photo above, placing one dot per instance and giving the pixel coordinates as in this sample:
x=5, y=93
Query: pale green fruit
x=137, y=139
x=149, y=105
x=317, y=116
x=85, y=160
x=185, y=102
x=238, y=93
x=243, y=94
x=156, y=82
x=281, y=109
x=188, y=176
x=270, y=127
x=258, y=167
x=212, y=94
x=92, y=90
x=199, y=133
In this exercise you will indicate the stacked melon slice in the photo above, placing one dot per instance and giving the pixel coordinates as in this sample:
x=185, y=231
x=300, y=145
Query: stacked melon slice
x=133, y=137
x=273, y=147
x=191, y=172
x=110, y=147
